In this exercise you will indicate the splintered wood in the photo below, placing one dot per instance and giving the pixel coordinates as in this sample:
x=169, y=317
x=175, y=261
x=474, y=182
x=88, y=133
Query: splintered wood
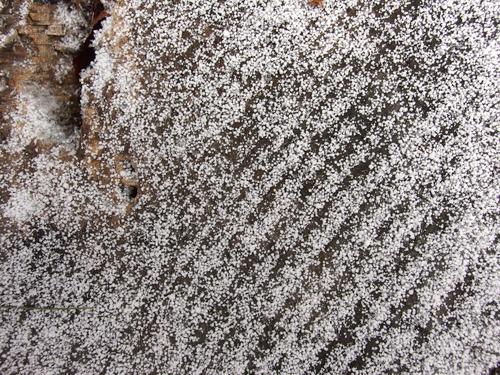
x=317, y=3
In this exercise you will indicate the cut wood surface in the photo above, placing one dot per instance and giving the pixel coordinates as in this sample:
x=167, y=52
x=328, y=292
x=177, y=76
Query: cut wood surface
x=249, y=187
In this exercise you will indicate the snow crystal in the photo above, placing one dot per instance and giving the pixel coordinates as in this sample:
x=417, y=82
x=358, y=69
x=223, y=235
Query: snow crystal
x=75, y=26
x=23, y=206
x=38, y=118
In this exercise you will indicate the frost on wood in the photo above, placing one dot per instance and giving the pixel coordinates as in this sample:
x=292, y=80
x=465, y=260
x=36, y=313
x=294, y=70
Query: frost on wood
x=71, y=22
x=261, y=187
x=40, y=117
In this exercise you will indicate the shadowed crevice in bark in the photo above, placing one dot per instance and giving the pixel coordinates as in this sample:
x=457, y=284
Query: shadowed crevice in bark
x=86, y=54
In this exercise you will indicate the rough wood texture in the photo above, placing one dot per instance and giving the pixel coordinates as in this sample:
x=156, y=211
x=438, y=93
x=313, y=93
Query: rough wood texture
x=256, y=187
